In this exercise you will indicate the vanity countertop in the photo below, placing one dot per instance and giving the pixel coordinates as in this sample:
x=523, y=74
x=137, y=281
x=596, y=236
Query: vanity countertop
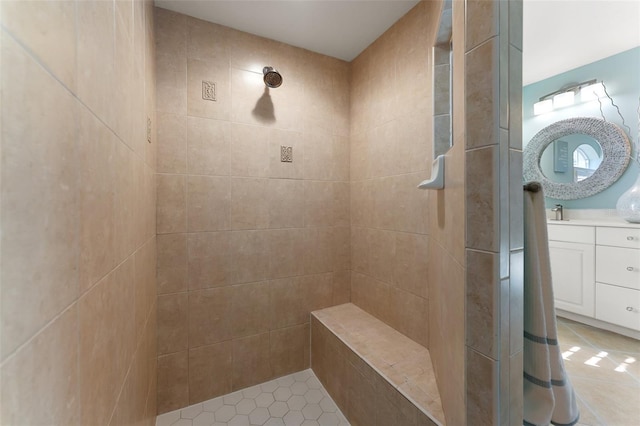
x=613, y=223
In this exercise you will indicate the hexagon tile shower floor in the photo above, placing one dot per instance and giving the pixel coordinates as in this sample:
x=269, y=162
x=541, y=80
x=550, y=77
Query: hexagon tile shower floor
x=296, y=399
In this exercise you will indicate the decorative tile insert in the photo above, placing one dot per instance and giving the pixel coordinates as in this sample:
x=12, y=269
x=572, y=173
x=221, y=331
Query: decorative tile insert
x=297, y=399
x=286, y=154
x=208, y=90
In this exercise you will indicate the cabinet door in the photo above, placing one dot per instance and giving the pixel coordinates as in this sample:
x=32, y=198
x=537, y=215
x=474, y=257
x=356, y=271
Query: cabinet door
x=573, y=275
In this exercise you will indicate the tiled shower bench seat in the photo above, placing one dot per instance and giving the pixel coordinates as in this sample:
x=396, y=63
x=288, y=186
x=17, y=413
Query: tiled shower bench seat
x=376, y=375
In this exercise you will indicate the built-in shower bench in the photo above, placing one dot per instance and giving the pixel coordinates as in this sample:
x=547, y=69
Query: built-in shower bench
x=376, y=375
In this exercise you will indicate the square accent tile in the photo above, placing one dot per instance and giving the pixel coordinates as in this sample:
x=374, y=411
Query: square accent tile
x=209, y=91
x=286, y=154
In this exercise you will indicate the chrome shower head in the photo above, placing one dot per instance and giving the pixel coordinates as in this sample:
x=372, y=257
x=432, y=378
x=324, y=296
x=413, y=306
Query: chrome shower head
x=272, y=78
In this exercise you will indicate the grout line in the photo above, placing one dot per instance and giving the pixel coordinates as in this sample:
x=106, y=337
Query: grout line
x=20, y=347
x=598, y=348
x=74, y=95
x=79, y=382
x=592, y=382
x=591, y=410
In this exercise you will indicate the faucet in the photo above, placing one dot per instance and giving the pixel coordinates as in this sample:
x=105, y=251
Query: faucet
x=558, y=210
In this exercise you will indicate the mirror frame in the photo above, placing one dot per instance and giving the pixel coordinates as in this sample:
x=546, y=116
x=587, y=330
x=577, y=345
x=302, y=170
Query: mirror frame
x=616, y=152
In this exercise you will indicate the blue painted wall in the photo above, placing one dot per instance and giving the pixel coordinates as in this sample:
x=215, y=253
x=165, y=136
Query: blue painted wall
x=621, y=75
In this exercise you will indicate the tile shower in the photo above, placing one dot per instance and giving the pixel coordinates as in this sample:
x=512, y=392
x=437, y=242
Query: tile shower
x=247, y=245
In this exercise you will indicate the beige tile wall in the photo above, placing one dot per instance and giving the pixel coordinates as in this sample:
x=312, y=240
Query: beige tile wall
x=78, y=244
x=476, y=270
x=494, y=241
x=247, y=245
x=407, y=245
x=391, y=153
x=447, y=264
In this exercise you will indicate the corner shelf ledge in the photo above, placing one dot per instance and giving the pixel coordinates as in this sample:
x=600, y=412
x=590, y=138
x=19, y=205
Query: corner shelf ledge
x=437, y=175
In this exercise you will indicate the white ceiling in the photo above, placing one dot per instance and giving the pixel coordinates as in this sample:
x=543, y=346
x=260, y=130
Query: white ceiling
x=338, y=28
x=559, y=35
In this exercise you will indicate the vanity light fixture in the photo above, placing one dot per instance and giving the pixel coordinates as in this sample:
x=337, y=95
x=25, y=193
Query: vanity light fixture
x=589, y=91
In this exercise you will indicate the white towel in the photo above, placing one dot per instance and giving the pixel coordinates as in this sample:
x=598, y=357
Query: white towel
x=548, y=395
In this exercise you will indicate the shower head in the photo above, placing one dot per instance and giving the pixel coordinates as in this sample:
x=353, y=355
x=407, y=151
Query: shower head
x=272, y=78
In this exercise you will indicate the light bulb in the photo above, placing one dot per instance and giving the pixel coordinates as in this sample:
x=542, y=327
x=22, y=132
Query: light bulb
x=543, y=107
x=563, y=99
x=592, y=92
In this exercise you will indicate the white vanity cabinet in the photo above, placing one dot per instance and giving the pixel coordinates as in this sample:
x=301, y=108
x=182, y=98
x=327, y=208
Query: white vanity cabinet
x=596, y=271
x=618, y=276
x=572, y=255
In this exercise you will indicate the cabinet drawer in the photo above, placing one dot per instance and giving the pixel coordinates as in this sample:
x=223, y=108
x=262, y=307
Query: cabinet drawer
x=572, y=234
x=618, y=237
x=618, y=305
x=619, y=266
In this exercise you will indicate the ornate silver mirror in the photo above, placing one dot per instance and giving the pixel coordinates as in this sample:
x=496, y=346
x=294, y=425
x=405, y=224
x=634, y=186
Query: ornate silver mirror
x=577, y=157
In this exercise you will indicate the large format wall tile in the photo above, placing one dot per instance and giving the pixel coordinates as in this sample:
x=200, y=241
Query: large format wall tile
x=208, y=203
x=107, y=339
x=249, y=203
x=172, y=263
x=78, y=212
x=173, y=381
x=172, y=143
x=40, y=197
x=210, y=316
x=250, y=309
x=172, y=203
x=284, y=202
x=171, y=83
x=208, y=146
x=251, y=363
x=286, y=248
x=49, y=29
x=210, y=371
x=50, y=360
x=209, y=260
x=97, y=200
x=173, y=320
x=145, y=265
x=96, y=57
x=288, y=349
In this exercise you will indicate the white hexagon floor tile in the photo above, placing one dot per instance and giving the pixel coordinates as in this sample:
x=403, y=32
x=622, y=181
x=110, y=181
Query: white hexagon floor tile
x=296, y=399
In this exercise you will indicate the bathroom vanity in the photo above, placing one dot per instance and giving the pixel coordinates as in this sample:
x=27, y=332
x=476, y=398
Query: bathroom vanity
x=595, y=266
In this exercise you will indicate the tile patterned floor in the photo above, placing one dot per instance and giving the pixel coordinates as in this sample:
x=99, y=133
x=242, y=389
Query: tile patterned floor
x=298, y=399
x=604, y=368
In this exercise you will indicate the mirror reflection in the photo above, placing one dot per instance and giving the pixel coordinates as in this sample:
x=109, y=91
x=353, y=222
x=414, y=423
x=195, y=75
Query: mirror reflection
x=570, y=159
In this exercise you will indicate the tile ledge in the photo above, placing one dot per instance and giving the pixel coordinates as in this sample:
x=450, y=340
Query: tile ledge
x=340, y=319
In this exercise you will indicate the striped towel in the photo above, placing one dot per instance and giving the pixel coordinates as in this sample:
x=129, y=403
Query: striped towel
x=548, y=395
